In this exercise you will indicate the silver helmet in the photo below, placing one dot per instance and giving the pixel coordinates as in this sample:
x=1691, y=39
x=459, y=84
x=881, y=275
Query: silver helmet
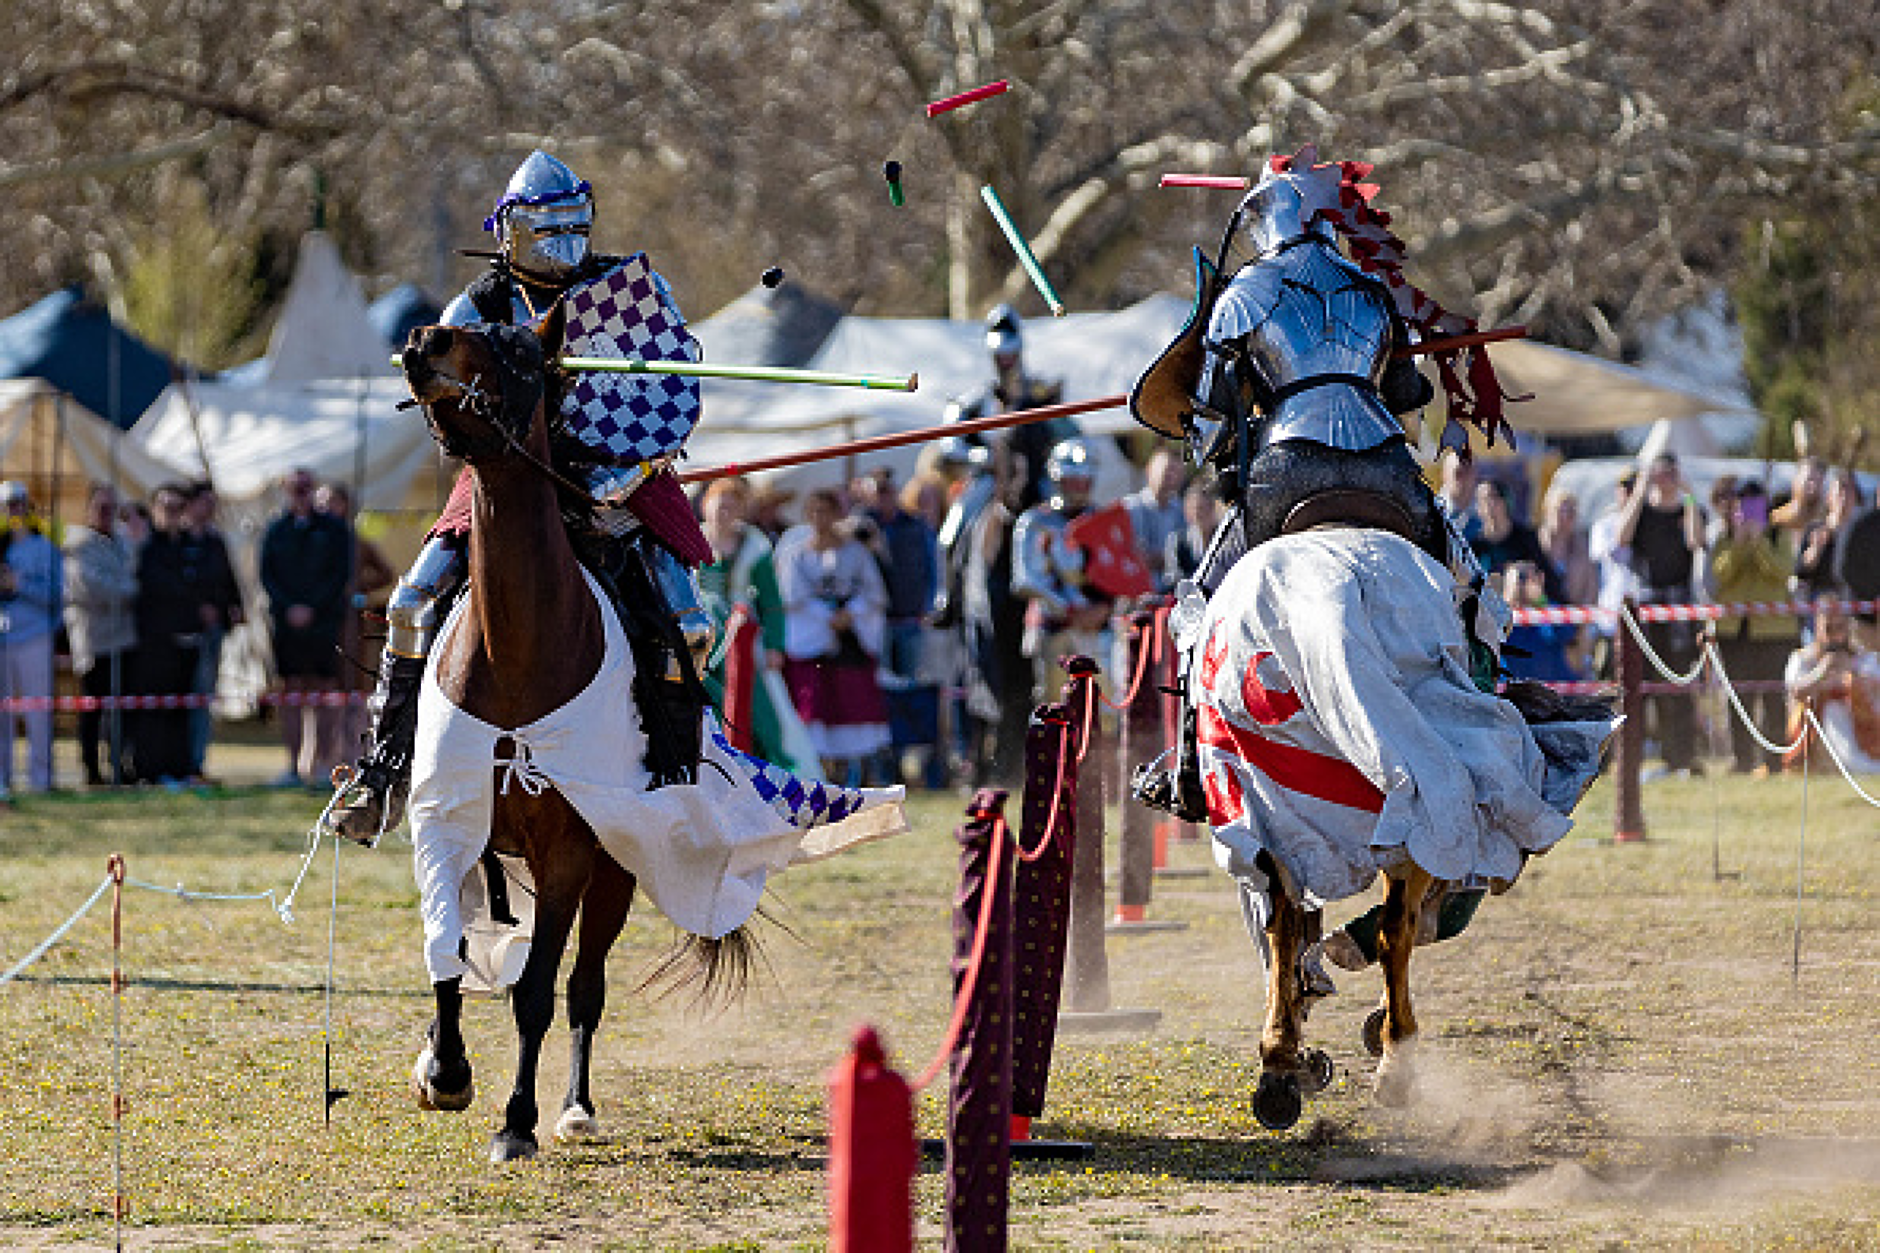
x=1002, y=332
x=543, y=220
x=1071, y=459
x=1277, y=212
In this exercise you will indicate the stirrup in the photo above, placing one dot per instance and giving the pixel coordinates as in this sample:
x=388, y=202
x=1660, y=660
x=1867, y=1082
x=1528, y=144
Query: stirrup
x=353, y=792
x=1162, y=789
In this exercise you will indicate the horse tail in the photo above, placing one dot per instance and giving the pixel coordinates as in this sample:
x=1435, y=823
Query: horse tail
x=718, y=970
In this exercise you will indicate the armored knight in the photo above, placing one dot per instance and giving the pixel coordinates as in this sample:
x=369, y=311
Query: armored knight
x=637, y=532
x=1012, y=390
x=1289, y=381
x=1062, y=613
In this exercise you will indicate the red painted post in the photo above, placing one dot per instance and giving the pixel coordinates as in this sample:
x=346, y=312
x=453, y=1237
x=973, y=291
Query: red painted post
x=872, y=1152
x=1629, y=815
x=741, y=679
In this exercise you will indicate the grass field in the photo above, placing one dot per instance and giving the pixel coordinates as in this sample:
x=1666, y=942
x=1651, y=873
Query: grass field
x=1618, y=1054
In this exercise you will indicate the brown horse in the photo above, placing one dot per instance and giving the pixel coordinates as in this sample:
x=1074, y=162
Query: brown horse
x=1290, y=1072
x=1321, y=650
x=530, y=639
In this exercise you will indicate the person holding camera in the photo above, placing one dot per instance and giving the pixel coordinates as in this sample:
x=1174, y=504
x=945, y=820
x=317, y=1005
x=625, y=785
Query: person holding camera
x=1840, y=678
x=31, y=598
x=1750, y=562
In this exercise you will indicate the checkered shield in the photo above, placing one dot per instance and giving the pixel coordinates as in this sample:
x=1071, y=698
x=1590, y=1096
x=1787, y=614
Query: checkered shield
x=628, y=312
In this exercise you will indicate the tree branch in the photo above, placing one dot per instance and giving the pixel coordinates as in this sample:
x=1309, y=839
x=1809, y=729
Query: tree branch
x=113, y=164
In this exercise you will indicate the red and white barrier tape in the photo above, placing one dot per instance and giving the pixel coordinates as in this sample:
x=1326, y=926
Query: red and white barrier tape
x=186, y=700
x=1685, y=613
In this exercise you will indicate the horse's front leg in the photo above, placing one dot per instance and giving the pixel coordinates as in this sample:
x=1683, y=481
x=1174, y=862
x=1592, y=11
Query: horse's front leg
x=1404, y=899
x=1288, y=1073
x=561, y=878
x=603, y=914
x=441, y=1079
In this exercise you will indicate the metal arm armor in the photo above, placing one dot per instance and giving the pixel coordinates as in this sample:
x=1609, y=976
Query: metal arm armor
x=413, y=611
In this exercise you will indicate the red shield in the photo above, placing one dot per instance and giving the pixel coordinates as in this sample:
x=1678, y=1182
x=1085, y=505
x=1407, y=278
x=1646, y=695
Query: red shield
x=1111, y=564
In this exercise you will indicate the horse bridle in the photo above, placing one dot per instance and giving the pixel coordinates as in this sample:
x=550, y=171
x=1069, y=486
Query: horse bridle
x=495, y=410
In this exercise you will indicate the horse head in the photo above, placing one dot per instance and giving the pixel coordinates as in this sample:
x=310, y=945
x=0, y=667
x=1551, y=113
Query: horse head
x=481, y=386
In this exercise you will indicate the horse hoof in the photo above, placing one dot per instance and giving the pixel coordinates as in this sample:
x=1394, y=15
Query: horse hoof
x=1317, y=1071
x=424, y=1087
x=1277, y=1102
x=575, y=1126
x=1374, y=1032
x=1396, y=1084
x=507, y=1146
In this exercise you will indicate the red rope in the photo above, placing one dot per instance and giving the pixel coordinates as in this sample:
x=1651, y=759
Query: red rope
x=965, y=998
x=1057, y=796
x=1143, y=649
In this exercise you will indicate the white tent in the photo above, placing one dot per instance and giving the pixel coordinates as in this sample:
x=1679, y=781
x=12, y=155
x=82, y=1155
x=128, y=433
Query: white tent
x=324, y=398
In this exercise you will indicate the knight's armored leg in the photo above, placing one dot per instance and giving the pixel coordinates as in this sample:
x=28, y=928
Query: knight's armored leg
x=372, y=799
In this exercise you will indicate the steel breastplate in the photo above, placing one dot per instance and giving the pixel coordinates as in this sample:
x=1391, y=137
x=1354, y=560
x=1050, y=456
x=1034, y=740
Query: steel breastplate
x=1321, y=348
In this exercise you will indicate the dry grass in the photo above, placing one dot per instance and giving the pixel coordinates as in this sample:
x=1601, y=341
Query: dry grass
x=1618, y=1053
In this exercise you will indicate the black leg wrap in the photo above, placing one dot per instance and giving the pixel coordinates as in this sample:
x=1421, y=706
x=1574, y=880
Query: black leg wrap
x=394, y=731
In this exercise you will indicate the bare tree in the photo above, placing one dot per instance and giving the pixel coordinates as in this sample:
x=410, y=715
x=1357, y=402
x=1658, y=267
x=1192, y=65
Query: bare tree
x=1578, y=167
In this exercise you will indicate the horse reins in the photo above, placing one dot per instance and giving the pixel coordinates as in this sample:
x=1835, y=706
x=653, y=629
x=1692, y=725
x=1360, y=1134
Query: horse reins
x=479, y=402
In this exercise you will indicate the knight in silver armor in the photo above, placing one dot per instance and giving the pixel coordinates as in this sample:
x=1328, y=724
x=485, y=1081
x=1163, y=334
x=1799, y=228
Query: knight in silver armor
x=1013, y=390
x=542, y=224
x=1062, y=614
x=1298, y=394
x=1289, y=384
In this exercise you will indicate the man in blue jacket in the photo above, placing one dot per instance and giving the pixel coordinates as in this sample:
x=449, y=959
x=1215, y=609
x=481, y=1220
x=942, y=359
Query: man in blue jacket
x=31, y=598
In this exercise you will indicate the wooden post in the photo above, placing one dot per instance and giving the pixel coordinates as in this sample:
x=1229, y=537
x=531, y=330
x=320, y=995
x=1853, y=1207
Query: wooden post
x=1089, y=965
x=1140, y=741
x=1041, y=893
x=1629, y=815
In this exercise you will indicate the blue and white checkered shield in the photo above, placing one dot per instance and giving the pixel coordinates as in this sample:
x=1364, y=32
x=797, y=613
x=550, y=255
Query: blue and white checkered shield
x=629, y=312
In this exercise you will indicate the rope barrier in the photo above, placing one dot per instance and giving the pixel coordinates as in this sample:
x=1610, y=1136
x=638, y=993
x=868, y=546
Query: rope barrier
x=967, y=985
x=1598, y=614
x=283, y=908
x=1736, y=703
x=1835, y=757
x=173, y=700
x=1651, y=654
x=1057, y=796
x=58, y=932
x=1154, y=645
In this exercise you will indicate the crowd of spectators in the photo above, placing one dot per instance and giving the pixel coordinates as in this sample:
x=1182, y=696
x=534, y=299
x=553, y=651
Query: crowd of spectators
x=1660, y=544
x=142, y=595
x=866, y=674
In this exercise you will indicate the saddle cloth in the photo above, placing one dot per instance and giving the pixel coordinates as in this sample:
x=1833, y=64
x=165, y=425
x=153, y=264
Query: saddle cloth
x=628, y=312
x=1340, y=732
x=701, y=852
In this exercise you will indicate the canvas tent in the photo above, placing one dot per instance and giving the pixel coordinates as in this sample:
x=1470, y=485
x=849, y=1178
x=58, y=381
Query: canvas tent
x=1095, y=354
x=323, y=398
x=70, y=380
